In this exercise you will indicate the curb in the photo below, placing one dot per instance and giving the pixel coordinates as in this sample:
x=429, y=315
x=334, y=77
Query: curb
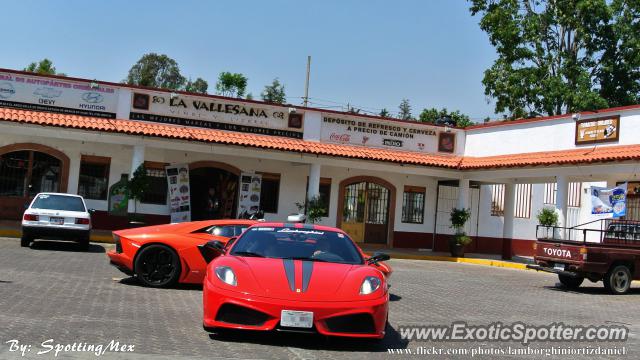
x=17, y=234
x=485, y=262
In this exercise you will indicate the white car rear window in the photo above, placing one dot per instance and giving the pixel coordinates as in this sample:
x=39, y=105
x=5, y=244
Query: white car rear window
x=58, y=202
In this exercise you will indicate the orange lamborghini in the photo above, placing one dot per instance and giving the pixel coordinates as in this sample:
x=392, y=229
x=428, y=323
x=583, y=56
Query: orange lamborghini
x=160, y=256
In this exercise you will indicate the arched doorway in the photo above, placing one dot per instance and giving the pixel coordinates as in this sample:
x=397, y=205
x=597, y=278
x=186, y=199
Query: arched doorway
x=214, y=190
x=365, y=209
x=25, y=170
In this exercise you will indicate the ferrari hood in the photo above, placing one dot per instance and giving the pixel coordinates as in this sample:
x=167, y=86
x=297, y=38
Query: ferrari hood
x=298, y=279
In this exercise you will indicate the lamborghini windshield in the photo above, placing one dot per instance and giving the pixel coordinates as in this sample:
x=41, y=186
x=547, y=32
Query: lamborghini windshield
x=298, y=244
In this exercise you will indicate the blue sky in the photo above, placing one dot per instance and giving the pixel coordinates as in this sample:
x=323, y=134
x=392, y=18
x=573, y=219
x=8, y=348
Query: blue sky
x=367, y=53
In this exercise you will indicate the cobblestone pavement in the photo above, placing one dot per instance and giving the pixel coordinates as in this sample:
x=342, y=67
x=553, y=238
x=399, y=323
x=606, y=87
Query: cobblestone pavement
x=52, y=291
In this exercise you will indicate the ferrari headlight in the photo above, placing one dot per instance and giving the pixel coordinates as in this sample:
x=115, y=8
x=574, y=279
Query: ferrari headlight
x=226, y=275
x=369, y=285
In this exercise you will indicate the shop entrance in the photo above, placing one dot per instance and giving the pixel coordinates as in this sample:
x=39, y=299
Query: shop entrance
x=214, y=191
x=365, y=211
x=26, y=172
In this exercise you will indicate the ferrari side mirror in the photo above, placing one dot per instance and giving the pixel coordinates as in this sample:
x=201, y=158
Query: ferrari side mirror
x=211, y=250
x=377, y=257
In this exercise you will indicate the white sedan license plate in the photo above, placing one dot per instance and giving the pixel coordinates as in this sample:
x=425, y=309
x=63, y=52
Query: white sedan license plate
x=558, y=267
x=56, y=220
x=299, y=319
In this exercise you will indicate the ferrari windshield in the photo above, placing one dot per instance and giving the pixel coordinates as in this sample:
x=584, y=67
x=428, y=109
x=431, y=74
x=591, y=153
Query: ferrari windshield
x=297, y=243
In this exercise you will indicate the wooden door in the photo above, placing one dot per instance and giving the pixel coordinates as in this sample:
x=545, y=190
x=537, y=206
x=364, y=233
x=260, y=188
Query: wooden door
x=353, y=214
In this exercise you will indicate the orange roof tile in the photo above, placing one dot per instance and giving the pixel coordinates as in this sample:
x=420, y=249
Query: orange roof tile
x=226, y=137
x=588, y=155
x=563, y=157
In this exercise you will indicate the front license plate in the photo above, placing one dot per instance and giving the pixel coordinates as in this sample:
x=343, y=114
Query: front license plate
x=558, y=267
x=56, y=220
x=299, y=319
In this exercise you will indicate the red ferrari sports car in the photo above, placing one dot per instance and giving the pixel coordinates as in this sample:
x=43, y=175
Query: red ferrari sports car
x=162, y=255
x=295, y=277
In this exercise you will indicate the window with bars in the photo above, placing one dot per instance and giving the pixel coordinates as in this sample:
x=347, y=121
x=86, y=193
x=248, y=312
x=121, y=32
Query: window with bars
x=94, y=177
x=497, y=200
x=158, y=188
x=522, y=201
x=413, y=205
x=574, y=196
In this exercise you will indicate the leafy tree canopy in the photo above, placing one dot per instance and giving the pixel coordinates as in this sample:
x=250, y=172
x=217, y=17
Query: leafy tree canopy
x=231, y=84
x=198, y=86
x=274, y=93
x=559, y=56
x=434, y=115
x=405, y=110
x=43, y=67
x=384, y=113
x=156, y=70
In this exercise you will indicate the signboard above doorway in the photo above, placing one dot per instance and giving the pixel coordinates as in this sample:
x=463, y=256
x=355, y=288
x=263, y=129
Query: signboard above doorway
x=215, y=113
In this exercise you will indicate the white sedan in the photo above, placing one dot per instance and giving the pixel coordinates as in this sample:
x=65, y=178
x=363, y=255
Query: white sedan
x=56, y=216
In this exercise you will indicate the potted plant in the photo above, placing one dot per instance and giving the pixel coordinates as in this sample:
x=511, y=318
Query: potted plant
x=137, y=186
x=459, y=218
x=313, y=208
x=548, y=217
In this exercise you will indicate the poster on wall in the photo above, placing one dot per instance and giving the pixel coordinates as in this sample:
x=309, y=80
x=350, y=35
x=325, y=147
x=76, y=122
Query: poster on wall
x=446, y=142
x=609, y=201
x=250, y=186
x=118, y=198
x=179, y=192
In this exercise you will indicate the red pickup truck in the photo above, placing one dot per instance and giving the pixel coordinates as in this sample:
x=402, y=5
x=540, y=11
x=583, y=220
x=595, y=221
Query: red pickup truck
x=607, y=250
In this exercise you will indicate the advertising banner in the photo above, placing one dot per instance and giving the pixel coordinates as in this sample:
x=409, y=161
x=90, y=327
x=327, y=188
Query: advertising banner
x=179, y=192
x=215, y=113
x=119, y=198
x=605, y=201
x=250, y=186
x=344, y=129
x=57, y=95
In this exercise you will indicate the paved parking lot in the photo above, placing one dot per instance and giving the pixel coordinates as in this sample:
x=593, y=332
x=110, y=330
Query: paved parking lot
x=52, y=291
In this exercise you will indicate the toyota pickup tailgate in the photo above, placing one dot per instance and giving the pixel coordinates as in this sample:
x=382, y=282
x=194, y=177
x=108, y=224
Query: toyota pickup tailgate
x=552, y=252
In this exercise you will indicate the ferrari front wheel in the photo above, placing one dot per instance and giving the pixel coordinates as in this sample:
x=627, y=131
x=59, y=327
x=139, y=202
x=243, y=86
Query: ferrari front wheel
x=157, y=266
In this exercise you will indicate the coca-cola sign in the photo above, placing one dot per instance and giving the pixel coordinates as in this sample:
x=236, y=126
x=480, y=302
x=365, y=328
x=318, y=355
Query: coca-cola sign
x=345, y=138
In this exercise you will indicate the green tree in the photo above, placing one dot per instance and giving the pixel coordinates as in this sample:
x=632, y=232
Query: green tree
x=138, y=186
x=274, y=93
x=249, y=96
x=405, y=110
x=432, y=115
x=43, y=67
x=156, y=70
x=231, y=84
x=198, y=86
x=384, y=113
x=560, y=56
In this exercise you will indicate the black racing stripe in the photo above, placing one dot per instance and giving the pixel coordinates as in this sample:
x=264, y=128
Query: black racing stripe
x=290, y=270
x=307, y=270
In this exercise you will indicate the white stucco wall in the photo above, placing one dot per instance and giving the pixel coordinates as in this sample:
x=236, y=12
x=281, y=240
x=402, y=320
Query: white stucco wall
x=545, y=135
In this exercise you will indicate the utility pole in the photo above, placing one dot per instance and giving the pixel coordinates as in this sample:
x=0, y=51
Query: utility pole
x=306, y=83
